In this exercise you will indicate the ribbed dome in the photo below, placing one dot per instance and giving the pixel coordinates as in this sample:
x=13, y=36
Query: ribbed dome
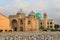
x=38, y=15
x=21, y=12
x=32, y=13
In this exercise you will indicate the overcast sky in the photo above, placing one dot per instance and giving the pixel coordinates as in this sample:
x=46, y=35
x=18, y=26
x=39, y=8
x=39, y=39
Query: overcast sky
x=51, y=7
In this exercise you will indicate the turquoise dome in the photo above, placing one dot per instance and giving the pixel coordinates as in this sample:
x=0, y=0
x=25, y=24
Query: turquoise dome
x=38, y=15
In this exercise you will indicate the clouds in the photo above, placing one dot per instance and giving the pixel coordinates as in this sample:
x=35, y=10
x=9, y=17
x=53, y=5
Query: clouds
x=52, y=7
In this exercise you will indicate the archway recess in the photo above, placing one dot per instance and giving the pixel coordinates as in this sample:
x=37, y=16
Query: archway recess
x=14, y=25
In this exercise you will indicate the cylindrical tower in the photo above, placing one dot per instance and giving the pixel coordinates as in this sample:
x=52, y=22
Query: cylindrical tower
x=45, y=20
x=45, y=15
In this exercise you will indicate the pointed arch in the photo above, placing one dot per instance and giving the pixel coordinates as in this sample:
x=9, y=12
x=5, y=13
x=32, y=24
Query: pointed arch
x=14, y=24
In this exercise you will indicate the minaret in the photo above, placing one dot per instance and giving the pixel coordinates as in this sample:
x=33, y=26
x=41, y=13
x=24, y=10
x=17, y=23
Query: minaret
x=45, y=20
x=45, y=15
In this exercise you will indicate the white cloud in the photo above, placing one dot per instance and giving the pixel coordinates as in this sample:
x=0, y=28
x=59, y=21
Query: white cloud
x=52, y=7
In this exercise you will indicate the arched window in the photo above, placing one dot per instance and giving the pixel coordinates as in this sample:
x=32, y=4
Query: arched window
x=21, y=21
x=5, y=30
x=10, y=30
x=29, y=22
x=1, y=30
x=21, y=28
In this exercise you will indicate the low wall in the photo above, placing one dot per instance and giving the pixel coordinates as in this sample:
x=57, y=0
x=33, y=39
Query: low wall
x=30, y=36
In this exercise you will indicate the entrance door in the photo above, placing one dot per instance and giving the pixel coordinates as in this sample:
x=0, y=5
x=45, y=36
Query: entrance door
x=15, y=29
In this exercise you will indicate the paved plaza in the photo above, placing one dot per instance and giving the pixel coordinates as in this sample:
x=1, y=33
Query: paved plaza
x=30, y=36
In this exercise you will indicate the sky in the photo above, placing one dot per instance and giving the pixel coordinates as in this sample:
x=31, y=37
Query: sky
x=51, y=7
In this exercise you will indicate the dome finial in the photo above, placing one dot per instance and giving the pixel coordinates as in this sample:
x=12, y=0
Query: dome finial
x=32, y=13
x=45, y=15
x=21, y=10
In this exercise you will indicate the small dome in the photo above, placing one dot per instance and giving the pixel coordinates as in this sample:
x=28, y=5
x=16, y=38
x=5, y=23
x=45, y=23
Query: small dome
x=45, y=14
x=21, y=12
x=38, y=15
x=32, y=13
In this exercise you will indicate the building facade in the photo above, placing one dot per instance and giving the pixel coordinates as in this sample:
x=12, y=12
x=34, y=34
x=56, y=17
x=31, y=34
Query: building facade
x=20, y=22
x=46, y=23
x=4, y=23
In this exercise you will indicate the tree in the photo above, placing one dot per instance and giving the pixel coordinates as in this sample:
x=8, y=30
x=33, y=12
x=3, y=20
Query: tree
x=57, y=26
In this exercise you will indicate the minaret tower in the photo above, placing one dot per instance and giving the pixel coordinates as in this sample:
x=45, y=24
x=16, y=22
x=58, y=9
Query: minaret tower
x=45, y=20
x=45, y=16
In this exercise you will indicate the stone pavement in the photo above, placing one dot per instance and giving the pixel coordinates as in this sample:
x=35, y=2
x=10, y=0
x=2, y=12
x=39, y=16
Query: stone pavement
x=30, y=36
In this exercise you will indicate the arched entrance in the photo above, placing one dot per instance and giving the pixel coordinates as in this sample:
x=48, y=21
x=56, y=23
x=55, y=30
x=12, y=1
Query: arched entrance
x=15, y=28
x=14, y=25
